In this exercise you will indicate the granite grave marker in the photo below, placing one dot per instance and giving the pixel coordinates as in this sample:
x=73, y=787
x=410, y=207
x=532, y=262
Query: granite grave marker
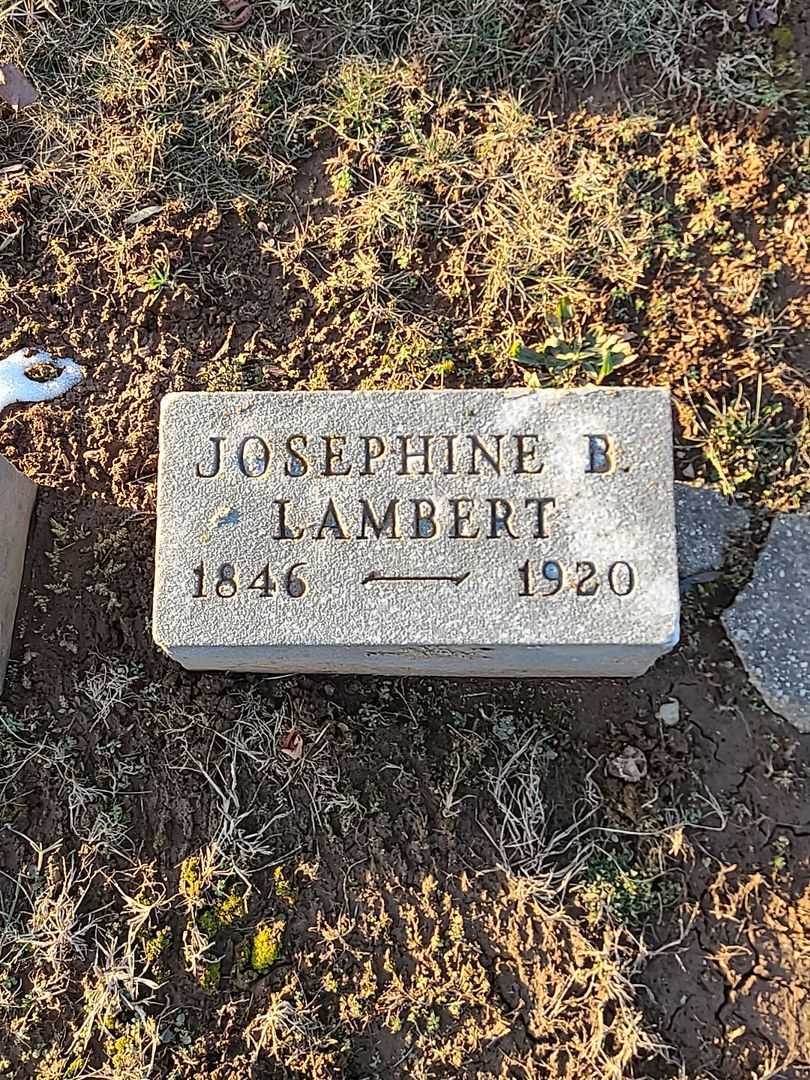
x=481, y=532
x=17, y=495
x=17, y=492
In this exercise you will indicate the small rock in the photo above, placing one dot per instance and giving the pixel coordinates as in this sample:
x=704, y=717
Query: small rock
x=670, y=713
x=761, y=14
x=630, y=765
x=143, y=214
x=768, y=623
x=15, y=89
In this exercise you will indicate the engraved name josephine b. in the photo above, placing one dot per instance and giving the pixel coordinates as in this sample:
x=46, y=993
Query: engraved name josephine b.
x=416, y=518
x=411, y=455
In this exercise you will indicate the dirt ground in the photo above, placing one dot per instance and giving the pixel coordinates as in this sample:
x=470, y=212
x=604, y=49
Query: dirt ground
x=416, y=803
x=233, y=876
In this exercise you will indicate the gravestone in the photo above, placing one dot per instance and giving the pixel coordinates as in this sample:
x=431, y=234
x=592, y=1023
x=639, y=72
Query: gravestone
x=481, y=532
x=17, y=495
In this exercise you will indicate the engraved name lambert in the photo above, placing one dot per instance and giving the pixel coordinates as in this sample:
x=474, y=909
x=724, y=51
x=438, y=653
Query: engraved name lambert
x=462, y=517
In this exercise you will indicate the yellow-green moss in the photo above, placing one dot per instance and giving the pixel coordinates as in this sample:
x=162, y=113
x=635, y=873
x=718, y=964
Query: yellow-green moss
x=157, y=943
x=281, y=886
x=127, y=1051
x=265, y=946
x=211, y=976
x=231, y=909
x=190, y=879
x=209, y=921
x=223, y=914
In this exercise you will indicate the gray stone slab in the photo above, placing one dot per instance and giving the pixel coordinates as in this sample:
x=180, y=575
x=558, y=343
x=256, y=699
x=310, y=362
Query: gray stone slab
x=769, y=622
x=17, y=495
x=400, y=533
x=706, y=523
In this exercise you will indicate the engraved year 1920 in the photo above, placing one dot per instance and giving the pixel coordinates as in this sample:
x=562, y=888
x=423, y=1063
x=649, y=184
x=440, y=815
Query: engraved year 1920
x=585, y=579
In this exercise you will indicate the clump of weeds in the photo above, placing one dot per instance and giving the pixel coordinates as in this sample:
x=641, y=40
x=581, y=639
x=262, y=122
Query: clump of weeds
x=214, y=903
x=617, y=888
x=744, y=442
x=132, y=1053
x=573, y=356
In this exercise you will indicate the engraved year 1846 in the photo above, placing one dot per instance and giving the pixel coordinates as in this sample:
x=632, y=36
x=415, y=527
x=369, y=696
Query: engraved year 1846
x=225, y=581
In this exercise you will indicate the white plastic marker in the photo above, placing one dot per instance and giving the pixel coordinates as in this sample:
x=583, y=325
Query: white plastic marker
x=17, y=388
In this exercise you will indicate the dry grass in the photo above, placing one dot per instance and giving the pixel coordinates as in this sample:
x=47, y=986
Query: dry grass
x=491, y=213
x=150, y=102
x=143, y=102
x=99, y=943
x=434, y=225
x=437, y=955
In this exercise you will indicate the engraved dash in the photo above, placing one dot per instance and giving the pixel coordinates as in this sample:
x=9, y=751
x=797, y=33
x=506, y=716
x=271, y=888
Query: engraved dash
x=452, y=579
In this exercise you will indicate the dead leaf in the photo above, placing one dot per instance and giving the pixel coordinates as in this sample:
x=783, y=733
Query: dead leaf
x=15, y=89
x=242, y=12
x=676, y=842
x=137, y=216
x=292, y=744
x=630, y=765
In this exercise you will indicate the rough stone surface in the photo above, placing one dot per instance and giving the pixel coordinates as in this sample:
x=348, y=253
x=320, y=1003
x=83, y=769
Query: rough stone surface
x=769, y=622
x=705, y=523
x=439, y=590
x=17, y=495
